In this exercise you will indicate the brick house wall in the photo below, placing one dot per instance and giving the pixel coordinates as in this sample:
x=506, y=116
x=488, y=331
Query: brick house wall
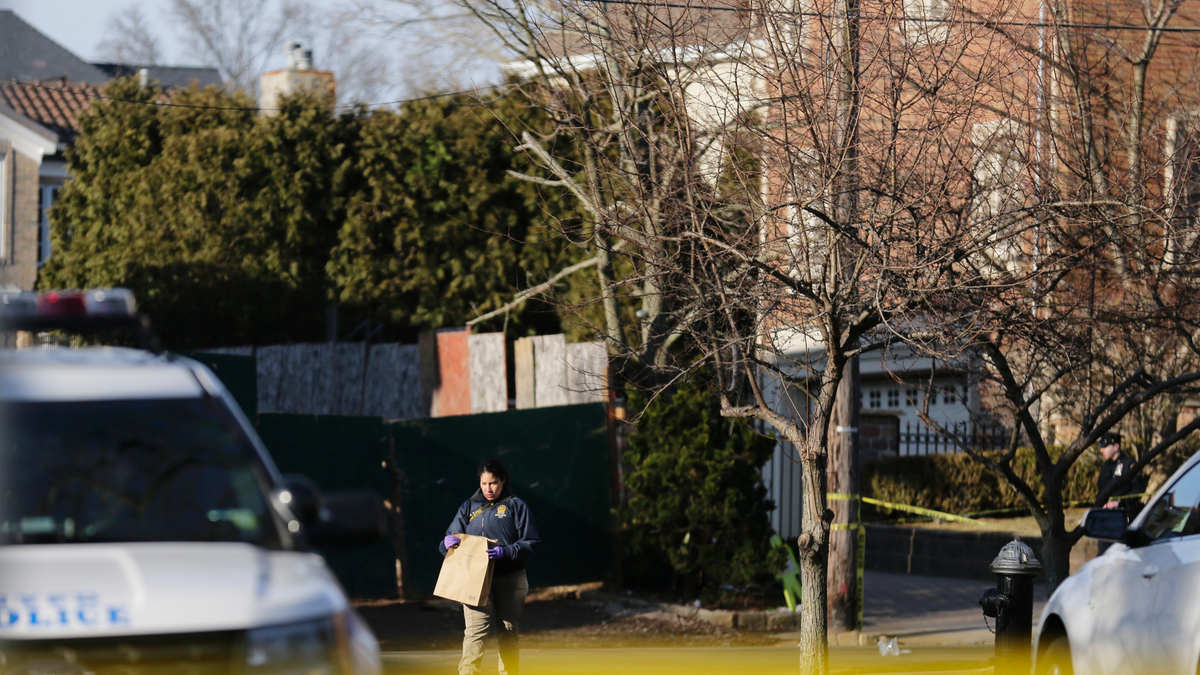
x=18, y=267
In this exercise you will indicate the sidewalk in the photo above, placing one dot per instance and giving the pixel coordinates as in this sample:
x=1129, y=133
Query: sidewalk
x=930, y=610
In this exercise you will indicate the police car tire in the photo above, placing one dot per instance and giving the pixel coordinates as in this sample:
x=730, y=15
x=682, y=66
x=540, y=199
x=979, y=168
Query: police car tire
x=1056, y=658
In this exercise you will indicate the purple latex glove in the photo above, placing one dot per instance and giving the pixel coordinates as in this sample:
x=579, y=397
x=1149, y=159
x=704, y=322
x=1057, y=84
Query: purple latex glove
x=451, y=541
x=496, y=552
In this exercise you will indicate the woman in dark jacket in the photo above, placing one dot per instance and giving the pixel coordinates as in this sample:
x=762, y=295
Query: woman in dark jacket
x=494, y=512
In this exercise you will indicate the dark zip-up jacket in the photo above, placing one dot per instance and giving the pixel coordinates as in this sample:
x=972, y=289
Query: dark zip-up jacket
x=1112, y=471
x=508, y=521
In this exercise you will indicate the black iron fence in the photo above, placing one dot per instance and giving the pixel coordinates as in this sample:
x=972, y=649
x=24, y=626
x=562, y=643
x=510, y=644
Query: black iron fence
x=919, y=439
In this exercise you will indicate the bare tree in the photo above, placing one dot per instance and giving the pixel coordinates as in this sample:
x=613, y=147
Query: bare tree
x=240, y=37
x=237, y=36
x=1102, y=147
x=777, y=191
x=442, y=44
x=366, y=69
x=129, y=39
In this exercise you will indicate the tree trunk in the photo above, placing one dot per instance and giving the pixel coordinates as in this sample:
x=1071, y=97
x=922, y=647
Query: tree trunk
x=1056, y=553
x=814, y=558
x=842, y=587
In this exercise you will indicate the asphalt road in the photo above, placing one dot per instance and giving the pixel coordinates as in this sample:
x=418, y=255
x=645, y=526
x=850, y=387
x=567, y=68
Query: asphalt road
x=703, y=661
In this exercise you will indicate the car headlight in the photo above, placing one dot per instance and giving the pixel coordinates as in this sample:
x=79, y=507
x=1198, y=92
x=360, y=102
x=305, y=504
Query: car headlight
x=310, y=648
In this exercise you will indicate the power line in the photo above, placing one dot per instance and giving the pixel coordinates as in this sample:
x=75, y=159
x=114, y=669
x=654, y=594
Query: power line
x=165, y=104
x=967, y=22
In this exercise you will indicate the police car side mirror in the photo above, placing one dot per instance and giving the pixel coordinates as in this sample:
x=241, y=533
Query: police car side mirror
x=348, y=518
x=1104, y=524
x=303, y=498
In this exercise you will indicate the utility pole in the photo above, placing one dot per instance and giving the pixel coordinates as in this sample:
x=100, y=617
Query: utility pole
x=843, y=585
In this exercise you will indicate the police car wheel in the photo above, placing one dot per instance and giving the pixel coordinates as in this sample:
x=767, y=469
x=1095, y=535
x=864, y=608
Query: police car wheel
x=1056, y=659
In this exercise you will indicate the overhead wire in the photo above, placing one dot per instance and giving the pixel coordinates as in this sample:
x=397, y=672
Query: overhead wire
x=640, y=3
x=968, y=22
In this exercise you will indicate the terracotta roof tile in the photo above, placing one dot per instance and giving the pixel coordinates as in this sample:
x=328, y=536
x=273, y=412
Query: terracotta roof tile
x=55, y=104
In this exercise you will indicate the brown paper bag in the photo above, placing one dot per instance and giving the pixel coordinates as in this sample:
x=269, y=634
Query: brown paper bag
x=466, y=575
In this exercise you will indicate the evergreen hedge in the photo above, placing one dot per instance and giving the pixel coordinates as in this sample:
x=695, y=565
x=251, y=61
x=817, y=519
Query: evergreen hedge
x=697, y=500
x=960, y=485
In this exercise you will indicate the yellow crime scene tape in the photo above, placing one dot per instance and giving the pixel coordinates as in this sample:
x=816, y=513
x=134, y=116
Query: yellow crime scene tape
x=1019, y=509
x=860, y=560
x=861, y=530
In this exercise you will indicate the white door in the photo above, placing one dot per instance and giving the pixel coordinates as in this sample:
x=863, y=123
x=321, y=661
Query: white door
x=1121, y=607
x=1172, y=523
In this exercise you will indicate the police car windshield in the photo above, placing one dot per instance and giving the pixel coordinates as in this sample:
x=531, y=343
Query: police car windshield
x=130, y=471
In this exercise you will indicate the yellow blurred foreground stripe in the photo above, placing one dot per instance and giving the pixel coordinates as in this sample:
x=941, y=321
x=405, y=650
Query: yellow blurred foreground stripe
x=704, y=661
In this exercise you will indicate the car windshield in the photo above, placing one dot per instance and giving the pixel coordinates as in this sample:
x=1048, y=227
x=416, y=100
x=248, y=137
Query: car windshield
x=1176, y=512
x=130, y=471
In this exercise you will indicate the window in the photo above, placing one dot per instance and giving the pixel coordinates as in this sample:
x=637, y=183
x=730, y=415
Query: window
x=805, y=193
x=998, y=199
x=876, y=397
x=966, y=394
x=893, y=398
x=789, y=27
x=1182, y=174
x=914, y=396
x=950, y=395
x=132, y=471
x=924, y=21
x=46, y=196
x=1175, y=513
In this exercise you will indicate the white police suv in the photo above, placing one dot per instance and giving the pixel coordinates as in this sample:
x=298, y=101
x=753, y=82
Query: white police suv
x=143, y=526
x=1136, y=608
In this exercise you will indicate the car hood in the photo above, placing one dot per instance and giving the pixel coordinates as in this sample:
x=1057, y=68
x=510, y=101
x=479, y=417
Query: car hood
x=95, y=590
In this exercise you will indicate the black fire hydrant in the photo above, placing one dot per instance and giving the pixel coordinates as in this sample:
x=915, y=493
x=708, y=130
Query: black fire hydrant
x=1011, y=605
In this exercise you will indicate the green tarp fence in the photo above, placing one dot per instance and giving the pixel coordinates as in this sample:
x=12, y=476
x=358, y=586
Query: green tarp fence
x=558, y=458
x=340, y=453
x=239, y=374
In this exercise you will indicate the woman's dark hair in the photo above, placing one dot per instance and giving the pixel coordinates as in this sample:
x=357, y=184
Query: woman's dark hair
x=494, y=467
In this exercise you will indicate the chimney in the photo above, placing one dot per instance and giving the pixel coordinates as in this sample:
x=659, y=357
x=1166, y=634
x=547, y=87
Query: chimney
x=299, y=76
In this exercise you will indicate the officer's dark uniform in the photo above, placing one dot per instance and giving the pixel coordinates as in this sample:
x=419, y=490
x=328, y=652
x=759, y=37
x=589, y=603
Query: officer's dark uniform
x=1113, y=471
x=509, y=522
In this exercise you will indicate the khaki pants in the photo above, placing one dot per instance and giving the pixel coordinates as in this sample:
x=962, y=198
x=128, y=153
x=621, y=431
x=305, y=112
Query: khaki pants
x=503, y=611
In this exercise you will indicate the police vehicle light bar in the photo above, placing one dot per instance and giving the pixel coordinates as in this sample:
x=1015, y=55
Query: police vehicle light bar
x=102, y=309
x=19, y=307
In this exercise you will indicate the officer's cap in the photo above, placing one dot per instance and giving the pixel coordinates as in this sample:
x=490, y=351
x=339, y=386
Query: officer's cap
x=1108, y=439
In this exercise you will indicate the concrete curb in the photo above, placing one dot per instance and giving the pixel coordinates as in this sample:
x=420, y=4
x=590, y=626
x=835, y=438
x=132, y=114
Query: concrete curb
x=774, y=620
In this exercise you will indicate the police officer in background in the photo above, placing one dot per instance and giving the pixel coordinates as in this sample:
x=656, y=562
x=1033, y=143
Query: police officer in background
x=496, y=513
x=1116, y=466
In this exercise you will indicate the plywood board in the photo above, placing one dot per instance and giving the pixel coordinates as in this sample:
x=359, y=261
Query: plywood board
x=489, y=372
x=526, y=377
x=453, y=395
x=587, y=372
x=393, y=384
x=550, y=368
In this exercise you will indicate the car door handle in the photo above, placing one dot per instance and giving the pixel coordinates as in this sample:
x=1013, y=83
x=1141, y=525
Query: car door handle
x=1149, y=571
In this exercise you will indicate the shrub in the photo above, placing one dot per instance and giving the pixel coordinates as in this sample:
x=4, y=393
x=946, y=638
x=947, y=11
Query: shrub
x=958, y=484
x=698, y=501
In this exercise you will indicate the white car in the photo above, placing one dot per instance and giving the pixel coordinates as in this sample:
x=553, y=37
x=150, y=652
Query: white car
x=1136, y=608
x=143, y=526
